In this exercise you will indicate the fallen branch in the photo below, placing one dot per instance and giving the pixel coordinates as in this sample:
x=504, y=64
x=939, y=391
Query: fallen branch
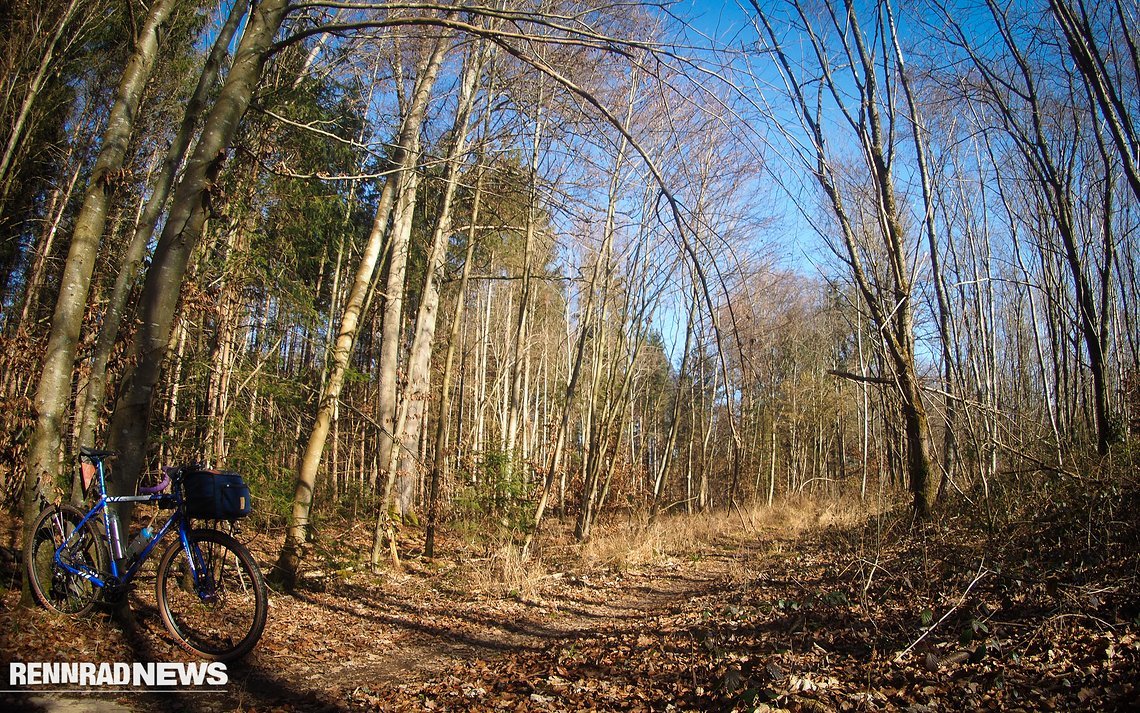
x=982, y=572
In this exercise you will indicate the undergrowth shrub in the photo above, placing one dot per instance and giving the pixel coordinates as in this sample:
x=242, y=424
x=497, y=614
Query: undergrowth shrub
x=495, y=496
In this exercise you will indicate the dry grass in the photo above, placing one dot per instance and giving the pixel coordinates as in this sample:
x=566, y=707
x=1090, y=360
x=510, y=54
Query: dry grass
x=505, y=573
x=499, y=569
x=639, y=542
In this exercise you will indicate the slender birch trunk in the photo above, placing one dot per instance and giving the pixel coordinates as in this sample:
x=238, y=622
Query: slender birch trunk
x=439, y=463
x=659, y=479
x=406, y=184
x=418, y=389
x=587, y=327
x=519, y=337
x=404, y=158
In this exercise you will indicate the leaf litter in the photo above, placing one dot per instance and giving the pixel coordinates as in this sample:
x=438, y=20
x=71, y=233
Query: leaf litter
x=875, y=616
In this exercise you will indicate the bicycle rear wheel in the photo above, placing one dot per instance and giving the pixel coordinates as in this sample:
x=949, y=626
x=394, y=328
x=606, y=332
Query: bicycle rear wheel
x=220, y=615
x=53, y=586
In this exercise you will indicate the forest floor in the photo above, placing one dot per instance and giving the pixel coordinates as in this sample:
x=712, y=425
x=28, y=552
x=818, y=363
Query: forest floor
x=790, y=609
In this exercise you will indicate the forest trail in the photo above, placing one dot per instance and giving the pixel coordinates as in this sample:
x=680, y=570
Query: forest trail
x=405, y=637
x=348, y=640
x=860, y=617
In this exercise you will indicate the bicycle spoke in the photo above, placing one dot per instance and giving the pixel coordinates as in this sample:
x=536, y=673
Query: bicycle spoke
x=222, y=614
x=54, y=586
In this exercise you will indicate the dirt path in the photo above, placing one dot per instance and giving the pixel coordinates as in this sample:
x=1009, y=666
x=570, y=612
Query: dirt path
x=347, y=640
x=756, y=622
x=402, y=636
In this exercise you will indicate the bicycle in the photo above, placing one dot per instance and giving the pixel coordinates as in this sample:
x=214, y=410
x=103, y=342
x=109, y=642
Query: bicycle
x=211, y=594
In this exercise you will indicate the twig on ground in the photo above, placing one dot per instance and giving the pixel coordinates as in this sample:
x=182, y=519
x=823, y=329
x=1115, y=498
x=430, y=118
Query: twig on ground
x=982, y=572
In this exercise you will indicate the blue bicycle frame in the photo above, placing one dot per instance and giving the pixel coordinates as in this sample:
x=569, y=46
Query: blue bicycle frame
x=118, y=576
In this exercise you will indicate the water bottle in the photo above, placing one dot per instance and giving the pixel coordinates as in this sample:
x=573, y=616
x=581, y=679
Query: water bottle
x=113, y=534
x=140, y=542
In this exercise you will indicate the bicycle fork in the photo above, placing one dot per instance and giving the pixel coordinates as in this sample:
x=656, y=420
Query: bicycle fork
x=201, y=573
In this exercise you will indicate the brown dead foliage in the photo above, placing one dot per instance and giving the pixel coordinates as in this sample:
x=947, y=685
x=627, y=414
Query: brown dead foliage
x=1037, y=614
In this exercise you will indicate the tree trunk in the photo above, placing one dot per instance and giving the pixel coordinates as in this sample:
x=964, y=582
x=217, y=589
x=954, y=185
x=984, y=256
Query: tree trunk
x=890, y=304
x=604, y=445
x=96, y=390
x=54, y=391
x=56, y=209
x=519, y=339
x=439, y=464
x=406, y=184
x=1084, y=43
x=289, y=560
x=418, y=389
x=186, y=219
x=659, y=479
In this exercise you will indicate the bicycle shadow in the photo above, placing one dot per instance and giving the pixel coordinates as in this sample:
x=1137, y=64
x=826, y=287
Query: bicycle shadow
x=253, y=682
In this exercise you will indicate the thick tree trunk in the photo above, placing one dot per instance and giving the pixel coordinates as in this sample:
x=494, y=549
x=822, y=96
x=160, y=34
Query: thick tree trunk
x=96, y=390
x=917, y=443
x=54, y=392
x=188, y=212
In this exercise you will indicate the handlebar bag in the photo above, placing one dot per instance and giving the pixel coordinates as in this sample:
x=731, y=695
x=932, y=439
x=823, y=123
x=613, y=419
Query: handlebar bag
x=216, y=495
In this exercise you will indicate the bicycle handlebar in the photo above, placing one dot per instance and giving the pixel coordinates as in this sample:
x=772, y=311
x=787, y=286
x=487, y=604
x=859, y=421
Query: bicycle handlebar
x=162, y=485
x=169, y=474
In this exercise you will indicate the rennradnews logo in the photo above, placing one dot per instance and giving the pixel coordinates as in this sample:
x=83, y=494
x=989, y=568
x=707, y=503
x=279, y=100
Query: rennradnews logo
x=88, y=674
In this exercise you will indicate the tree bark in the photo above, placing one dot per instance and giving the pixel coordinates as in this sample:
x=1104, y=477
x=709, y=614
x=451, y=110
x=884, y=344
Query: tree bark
x=662, y=470
x=189, y=209
x=521, y=326
x=54, y=391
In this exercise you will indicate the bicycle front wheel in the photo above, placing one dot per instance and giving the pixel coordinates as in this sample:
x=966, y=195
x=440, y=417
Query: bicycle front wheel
x=53, y=586
x=213, y=598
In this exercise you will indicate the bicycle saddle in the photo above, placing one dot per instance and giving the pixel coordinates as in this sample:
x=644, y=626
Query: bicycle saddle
x=95, y=453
